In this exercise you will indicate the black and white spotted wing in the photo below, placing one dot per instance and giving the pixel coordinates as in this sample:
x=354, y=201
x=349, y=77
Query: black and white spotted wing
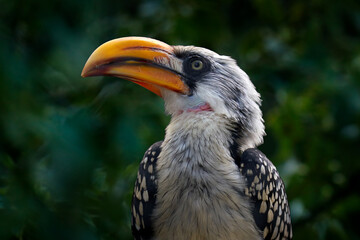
x=266, y=189
x=144, y=196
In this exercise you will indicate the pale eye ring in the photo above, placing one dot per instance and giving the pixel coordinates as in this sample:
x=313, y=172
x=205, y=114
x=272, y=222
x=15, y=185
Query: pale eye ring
x=197, y=65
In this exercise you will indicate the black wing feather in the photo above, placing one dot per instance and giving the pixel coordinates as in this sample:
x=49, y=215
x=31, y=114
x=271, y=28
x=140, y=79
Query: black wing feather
x=266, y=189
x=144, y=196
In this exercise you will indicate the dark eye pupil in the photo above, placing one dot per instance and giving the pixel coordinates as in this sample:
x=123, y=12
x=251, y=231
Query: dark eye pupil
x=197, y=65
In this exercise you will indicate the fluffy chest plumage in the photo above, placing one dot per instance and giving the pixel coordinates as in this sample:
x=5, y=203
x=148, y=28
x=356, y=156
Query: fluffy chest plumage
x=199, y=185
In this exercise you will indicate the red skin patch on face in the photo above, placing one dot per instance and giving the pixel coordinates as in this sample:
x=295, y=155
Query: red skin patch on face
x=201, y=108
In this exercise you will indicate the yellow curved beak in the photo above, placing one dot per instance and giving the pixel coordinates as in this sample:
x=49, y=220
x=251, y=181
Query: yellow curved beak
x=134, y=59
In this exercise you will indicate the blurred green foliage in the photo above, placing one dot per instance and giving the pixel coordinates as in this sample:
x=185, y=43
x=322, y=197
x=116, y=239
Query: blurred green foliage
x=70, y=147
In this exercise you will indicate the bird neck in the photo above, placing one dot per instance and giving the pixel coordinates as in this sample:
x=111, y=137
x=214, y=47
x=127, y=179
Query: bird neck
x=199, y=123
x=193, y=135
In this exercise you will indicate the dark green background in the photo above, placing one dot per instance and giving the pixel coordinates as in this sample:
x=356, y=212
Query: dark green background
x=70, y=147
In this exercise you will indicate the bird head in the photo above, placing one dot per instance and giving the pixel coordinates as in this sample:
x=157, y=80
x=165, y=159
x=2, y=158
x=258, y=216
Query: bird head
x=188, y=78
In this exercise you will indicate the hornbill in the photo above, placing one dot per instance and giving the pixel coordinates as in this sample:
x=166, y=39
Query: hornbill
x=205, y=180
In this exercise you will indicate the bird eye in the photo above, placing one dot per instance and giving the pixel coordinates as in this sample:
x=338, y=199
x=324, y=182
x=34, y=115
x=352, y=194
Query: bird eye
x=197, y=65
